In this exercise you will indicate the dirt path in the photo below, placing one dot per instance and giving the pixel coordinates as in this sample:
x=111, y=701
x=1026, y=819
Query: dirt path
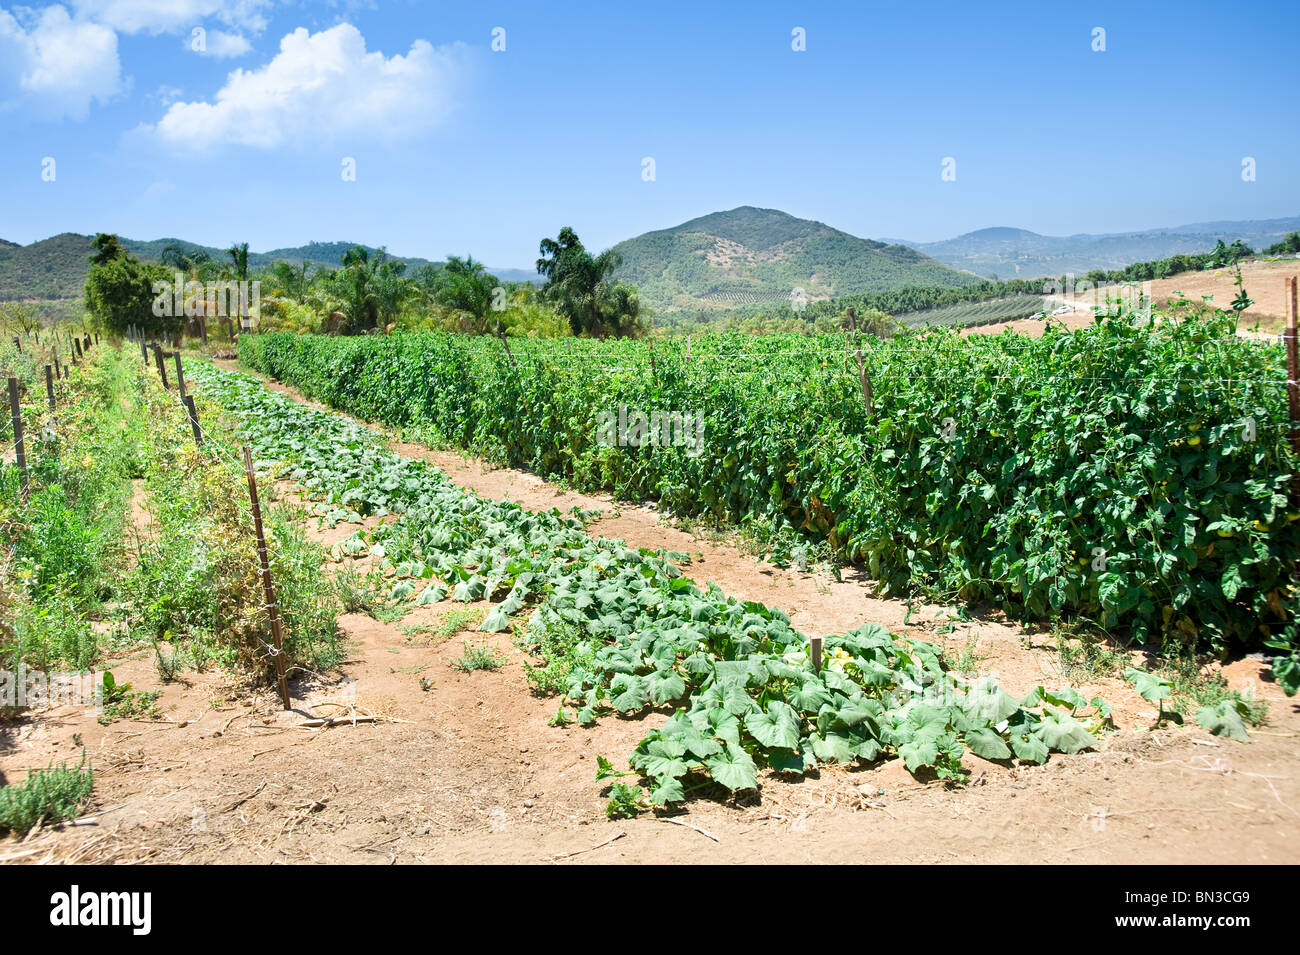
x=465, y=768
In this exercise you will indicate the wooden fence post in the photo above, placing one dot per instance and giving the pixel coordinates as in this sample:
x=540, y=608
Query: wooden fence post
x=76, y=343
x=162, y=369
x=1293, y=384
x=144, y=352
x=194, y=420
x=18, y=344
x=49, y=385
x=815, y=653
x=267, y=587
x=17, y=411
x=180, y=375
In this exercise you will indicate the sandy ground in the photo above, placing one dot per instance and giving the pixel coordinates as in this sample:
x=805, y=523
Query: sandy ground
x=465, y=768
x=1264, y=282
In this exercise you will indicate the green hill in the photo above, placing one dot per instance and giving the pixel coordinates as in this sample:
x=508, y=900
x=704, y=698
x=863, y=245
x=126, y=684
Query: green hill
x=55, y=268
x=749, y=256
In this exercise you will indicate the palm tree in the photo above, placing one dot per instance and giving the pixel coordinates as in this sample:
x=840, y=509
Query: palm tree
x=238, y=253
x=353, y=285
x=580, y=287
x=292, y=280
x=464, y=286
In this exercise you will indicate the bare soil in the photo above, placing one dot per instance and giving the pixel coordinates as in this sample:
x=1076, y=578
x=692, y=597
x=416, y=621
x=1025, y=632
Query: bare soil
x=465, y=768
x=1264, y=282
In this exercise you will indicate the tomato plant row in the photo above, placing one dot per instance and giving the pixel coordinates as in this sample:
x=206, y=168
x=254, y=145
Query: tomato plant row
x=1133, y=473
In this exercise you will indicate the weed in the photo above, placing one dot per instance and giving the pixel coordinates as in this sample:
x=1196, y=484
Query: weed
x=50, y=795
x=481, y=657
x=354, y=592
x=449, y=623
x=624, y=801
x=167, y=661
x=1087, y=656
x=561, y=647
x=970, y=657
x=122, y=703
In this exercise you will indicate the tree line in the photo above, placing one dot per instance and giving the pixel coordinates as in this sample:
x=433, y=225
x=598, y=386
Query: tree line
x=370, y=291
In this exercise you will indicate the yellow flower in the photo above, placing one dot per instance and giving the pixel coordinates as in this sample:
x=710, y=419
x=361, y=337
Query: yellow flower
x=87, y=461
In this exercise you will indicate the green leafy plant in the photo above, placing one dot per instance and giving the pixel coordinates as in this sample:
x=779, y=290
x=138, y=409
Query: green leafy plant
x=1226, y=718
x=121, y=702
x=625, y=802
x=46, y=796
x=1078, y=441
x=480, y=657
x=1153, y=688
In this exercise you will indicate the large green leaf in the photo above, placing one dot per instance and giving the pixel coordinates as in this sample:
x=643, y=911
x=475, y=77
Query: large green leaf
x=1224, y=719
x=1150, y=686
x=986, y=743
x=776, y=727
x=733, y=768
x=1063, y=733
x=664, y=686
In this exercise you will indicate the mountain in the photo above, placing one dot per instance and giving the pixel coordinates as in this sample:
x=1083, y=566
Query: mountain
x=1018, y=253
x=55, y=268
x=750, y=256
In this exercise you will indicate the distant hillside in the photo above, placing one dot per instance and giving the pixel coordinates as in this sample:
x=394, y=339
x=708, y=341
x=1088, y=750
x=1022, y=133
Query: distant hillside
x=55, y=268
x=750, y=255
x=1018, y=253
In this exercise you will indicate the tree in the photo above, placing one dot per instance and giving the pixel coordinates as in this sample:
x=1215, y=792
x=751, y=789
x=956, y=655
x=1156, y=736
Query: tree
x=392, y=289
x=362, y=290
x=292, y=280
x=107, y=248
x=238, y=253
x=19, y=316
x=189, y=262
x=464, y=286
x=1288, y=246
x=120, y=291
x=580, y=287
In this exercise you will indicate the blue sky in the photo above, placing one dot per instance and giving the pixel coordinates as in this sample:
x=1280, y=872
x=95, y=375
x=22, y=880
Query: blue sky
x=459, y=148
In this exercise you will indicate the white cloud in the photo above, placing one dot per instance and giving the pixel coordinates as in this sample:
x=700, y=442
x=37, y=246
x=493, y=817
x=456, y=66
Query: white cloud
x=321, y=88
x=220, y=45
x=58, y=63
x=170, y=16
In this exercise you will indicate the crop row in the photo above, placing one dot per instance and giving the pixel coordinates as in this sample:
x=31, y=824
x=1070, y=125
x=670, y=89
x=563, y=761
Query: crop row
x=1135, y=474
x=738, y=676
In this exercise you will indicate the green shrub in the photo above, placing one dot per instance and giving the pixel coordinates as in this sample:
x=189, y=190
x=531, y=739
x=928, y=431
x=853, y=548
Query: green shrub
x=46, y=796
